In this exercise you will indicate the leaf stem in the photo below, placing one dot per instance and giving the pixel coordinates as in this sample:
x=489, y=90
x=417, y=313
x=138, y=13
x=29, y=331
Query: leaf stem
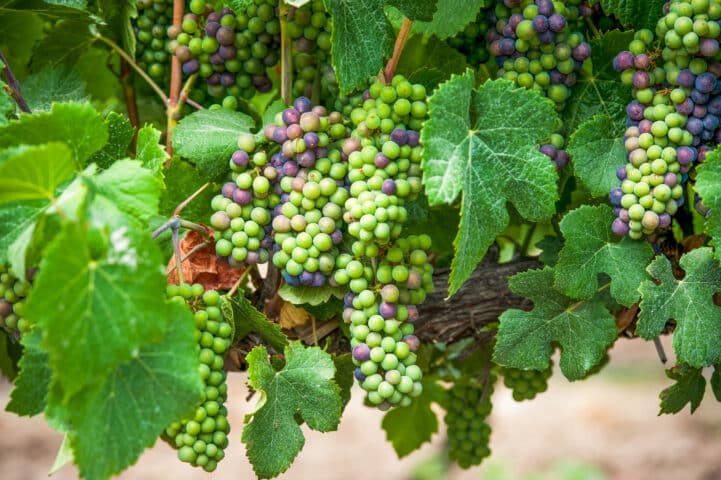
x=581, y=302
x=13, y=86
x=176, y=251
x=659, y=349
x=135, y=66
x=176, y=80
x=286, y=61
x=390, y=69
x=243, y=277
x=192, y=252
x=185, y=202
x=528, y=239
x=131, y=104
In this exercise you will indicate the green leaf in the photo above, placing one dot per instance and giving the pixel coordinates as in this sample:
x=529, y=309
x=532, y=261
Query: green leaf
x=7, y=104
x=551, y=246
x=708, y=186
x=450, y=17
x=122, y=415
x=602, y=91
x=134, y=189
x=420, y=53
x=690, y=387
x=53, y=85
x=77, y=125
x=35, y=172
x=63, y=44
x=120, y=134
x=21, y=29
x=209, y=137
x=10, y=353
x=483, y=143
x=64, y=456
x=643, y=14
x=716, y=382
x=96, y=312
x=344, y=369
x=248, y=319
x=15, y=219
x=29, y=396
x=362, y=39
x=79, y=4
x=239, y=5
x=304, y=387
x=185, y=180
x=407, y=428
x=117, y=15
x=416, y=9
x=690, y=302
x=149, y=151
x=310, y=295
x=584, y=330
x=597, y=149
x=591, y=248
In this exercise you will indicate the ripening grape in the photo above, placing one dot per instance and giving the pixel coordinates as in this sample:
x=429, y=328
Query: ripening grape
x=150, y=26
x=526, y=384
x=12, y=302
x=201, y=438
x=468, y=432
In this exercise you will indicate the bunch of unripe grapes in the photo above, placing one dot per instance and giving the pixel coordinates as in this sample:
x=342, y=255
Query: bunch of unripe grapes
x=152, y=48
x=471, y=42
x=307, y=222
x=381, y=310
x=674, y=118
x=202, y=438
x=309, y=28
x=13, y=291
x=526, y=384
x=468, y=432
x=229, y=51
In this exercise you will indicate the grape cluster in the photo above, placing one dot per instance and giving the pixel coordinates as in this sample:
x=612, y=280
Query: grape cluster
x=674, y=117
x=468, y=432
x=309, y=28
x=381, y=309
x=12, y=302
x=471, y=42
x=151, y=25
x=230, y=51
x=526, y=384
x=201, y=439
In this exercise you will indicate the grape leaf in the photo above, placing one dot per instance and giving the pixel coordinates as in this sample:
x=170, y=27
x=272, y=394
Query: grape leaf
x=584, y=330
x=7, y=104
x=602, y=91
x=10, y=353
x=149, y=150
x=362, y=38
x=21, y=29
x=643, y=14
x=134, y=190
x=248, y=319
x=53, y=85
x=117, y=15
x=29, y=396
x=310, y=295
x=597, y=149
x=239, y=6
x=418, y=55
x=344, y=376
x=591, y=248
x=450, y=17
x=79, y=4
x=185, y=180
x=15, y=219
x=690, y=387
x=120, y=134
x=716, y=381
x=304, y=387
x=708, y=186
x=116, y=419
x=96, y=312
x=209, y=137
x=407, y=428
x=416, y=9
x=77, y=125
x=483, y=143
x=690, y=302
x=35, y=172
x=551, y=246
x=63, y=44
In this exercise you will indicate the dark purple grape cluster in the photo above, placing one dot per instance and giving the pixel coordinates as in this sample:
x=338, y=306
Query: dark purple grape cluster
x=230, y=51
x=152, y=48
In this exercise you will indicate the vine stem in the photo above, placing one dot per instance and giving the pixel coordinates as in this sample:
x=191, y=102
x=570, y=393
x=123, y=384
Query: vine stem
x=13, y=86
x=131, y=104
x=592, y=27
x=390, y=69
x=243, y=277
x=176, y=251
x=116, y=48
x=185, y=202
x=176, y=80
x=192, y=252
x=286, y=62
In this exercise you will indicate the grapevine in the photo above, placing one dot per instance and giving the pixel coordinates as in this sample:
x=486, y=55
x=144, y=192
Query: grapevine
x=409, y=197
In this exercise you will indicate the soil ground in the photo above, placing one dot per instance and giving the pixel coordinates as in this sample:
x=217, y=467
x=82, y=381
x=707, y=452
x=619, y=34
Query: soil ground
x=604, y=428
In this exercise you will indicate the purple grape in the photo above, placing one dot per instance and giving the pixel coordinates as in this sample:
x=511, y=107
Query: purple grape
x=621, y=172
x=710, y=122
x=227, y=79
x=557, y=77
x=509, y=32
x=686, y=155
x=714, y=106
x=556, y=22
x=708, y=47
x=670, y=179
x=623, y=215
x=412, y=314
x=694, y=126
x=389, y=187
x=540, y=23
x=549, y=150
x=280, y=135
x=414, y=139
x=507, y=46
x=291, y=116
x=546, y=38
x=545, y=7
x=216, y=59
x=641, y=79
x=582, y=52
x=214, y=17
x=570, y=80
x=242, y=197
x=412, y=342
x=225, y=36
x=381, y=161
x=211, y=29
x=303, y=104
x=561, y=159
x=620, y=227
x=227, y=52
x=388, y=310
x=644, y=126
x=306, y=159
x=318, y=280
x=635, y=110
x=699, y=111
x=623, y=61
x=358, y=374
x=336, y=237
x=240, y=158
x=705, y=83
x=514, y=20
x=294, y=131
x=228, y=189
x=664, y=220
x=615, y=196
x=306, y=278
x=686, y=79
x=290, y=169
x=311, y=140
x=399, y=136
x=190, y=67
